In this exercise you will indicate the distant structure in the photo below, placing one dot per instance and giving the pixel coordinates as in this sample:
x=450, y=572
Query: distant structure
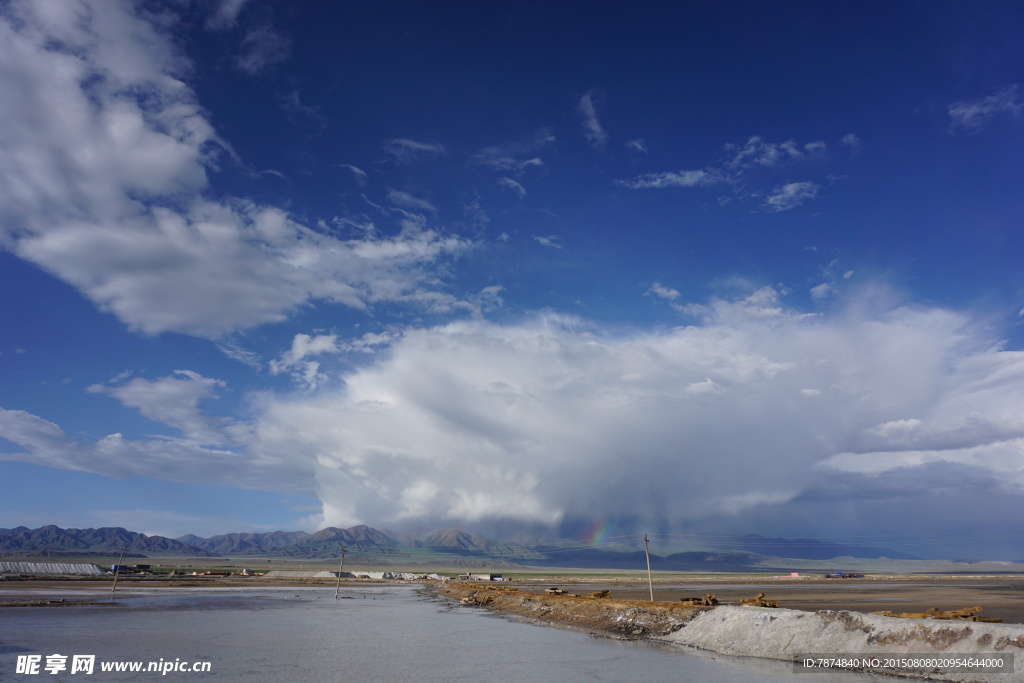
x=288, y=574
x=62, y=568
x=481, y=577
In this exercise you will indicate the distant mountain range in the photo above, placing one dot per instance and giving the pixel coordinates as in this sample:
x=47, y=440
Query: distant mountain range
x=366, y=545
x=108, y=540
x=244, y=544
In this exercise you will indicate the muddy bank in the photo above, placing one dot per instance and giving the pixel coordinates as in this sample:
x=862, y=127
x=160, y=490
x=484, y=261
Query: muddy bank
x=52, y=603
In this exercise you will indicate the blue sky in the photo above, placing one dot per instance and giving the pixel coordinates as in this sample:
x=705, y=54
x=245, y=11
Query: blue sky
x=751, y=267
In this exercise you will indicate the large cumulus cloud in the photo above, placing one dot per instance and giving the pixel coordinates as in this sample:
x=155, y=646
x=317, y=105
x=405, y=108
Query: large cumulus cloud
x=754, y=407
x=757, y=414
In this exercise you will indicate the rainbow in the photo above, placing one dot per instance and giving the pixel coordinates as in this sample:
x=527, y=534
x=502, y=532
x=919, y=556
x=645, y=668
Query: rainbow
x=596, y=533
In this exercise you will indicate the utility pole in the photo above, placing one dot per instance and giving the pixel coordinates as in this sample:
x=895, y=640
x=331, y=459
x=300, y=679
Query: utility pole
x=341, y=568
x=117, y=571
x=650, y=584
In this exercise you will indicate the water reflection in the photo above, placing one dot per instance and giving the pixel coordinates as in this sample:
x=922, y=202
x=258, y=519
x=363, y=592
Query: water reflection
x=377, y=634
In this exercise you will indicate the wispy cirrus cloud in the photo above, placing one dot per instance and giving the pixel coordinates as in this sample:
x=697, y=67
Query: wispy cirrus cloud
x=552, y=241
x=791, y=195
x=358, y=174
x=300, y=112
x=507, y=183
x=409, y=201
x=510, y=165
x=587, y=107
x=974, y=115
x=742, y=165
x=636, y=148
x=405, y=151
x=262, y=48
x=224, y=14
x=516, y=157
x=851, y=141
x=757, y=152
x=665, y=179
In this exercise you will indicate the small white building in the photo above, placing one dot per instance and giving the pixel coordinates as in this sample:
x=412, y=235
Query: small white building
x=481, y=577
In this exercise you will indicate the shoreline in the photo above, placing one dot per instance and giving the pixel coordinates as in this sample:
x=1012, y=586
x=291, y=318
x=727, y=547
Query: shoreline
x=627, y=619
x=768, y=633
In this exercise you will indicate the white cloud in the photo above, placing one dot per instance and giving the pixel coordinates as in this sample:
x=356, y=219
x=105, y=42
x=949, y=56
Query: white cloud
x=405, y=151
x=973, y=115
x=307, y=373
x=174, y=401
x=694, y=178
x=708, y=386
x=516, y=157
x=859, y=407
x=526, y=421
x=637, y=147
x=359, y=174
x=509, y=164
x=225, y=14
x=592, y=130
x=46, y=444
x=822, y=292
x=757, y=152
x=408, y=201
x=298, y=111
x=262, y=48
x=103, y=179
x=304, y=345
x=276, y=174
x=553, y=241
x=220, y=269
x=235, y=351
x=791, y=195
x=736, y=168
x=852, y=141
x=509, y=184
x=663, y=292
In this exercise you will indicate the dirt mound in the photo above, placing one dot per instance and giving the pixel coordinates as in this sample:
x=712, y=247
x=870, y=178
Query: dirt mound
x=627, y=618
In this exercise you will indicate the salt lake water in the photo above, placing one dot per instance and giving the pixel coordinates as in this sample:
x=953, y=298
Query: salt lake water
x=378, y=633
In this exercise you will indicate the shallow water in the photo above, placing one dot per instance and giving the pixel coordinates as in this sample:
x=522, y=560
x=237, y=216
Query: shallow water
x=394, y=633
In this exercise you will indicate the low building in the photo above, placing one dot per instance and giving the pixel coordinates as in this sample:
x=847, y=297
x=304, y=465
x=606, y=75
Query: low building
x=481, y=577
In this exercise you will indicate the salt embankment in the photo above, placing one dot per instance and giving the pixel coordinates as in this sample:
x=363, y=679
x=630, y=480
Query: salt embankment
x=789, y=634
x=50, y=568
